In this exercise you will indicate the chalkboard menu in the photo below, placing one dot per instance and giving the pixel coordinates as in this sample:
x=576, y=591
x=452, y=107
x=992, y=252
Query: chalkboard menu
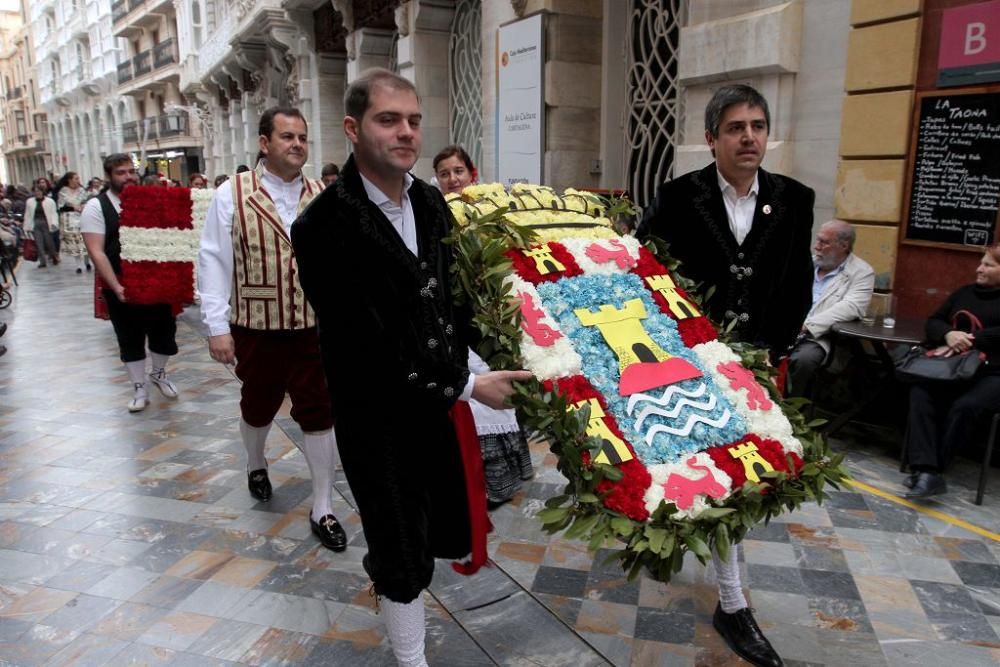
x=955, y=187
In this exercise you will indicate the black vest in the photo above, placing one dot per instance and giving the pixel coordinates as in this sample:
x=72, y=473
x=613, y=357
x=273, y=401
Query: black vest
x=112, y=242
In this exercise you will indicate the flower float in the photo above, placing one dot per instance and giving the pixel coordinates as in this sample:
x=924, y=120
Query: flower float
x=671, y=440
x=160, y=230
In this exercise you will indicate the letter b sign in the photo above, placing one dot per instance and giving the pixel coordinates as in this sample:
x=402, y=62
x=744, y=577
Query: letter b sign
x=975, y=38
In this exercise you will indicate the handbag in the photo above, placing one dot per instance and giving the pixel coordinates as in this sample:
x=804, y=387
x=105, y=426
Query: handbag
x=29, y=251
x=919, y=364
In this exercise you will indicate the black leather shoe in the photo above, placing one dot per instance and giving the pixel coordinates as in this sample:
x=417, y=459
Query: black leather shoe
x=259, y=484
x=3, y=328
x=741, y=633
x=910, y=480
x=928, y=484
x=330, y=532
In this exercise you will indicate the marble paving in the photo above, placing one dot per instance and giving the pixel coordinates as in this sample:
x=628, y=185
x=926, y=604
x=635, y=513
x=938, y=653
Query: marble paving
x=131, y=540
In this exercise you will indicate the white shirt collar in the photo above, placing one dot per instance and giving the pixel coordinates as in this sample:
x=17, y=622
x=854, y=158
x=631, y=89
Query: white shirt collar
x=726, y=188
x=273, y=181
x=378, y=197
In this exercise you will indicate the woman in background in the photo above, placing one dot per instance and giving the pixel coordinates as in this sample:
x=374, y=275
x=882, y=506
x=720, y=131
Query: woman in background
x=943, y=415
x=506, y=458
x=70, y=200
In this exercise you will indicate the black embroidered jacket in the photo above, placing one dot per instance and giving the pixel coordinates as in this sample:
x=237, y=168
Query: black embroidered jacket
x=765, y=283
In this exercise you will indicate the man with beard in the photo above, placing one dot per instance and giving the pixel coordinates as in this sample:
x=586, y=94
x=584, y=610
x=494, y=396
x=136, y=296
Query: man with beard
x=396, y=349
x=257, y=315
x=842, y=290
x=135, y=324
x=746, y=232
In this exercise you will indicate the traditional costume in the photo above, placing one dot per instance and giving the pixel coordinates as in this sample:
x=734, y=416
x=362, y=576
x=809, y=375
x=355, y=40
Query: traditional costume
x=395, y=348
x=755, y=251
x=135, y=324
x=69, y=226
x=250, y=289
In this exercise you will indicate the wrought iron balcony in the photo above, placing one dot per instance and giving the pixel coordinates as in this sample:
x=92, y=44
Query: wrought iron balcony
x=15, y=93
x=119, y=9
x=124, y=72
x=130, y=132
x=142, y=63
x=22, y=139
x=173, y=124
x=165, y=53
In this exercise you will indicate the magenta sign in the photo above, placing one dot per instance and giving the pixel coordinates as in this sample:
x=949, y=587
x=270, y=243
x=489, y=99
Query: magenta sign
x=969, y=51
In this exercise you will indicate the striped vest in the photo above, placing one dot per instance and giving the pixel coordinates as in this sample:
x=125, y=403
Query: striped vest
x=266, y=293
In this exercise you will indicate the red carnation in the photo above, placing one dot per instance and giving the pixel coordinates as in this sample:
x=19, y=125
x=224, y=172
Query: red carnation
x=770, y=450
x=695, y=330
x=526, y=268
x=626, y=495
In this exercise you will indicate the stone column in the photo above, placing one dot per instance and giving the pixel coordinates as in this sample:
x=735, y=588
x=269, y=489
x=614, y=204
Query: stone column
x=323, y=96
x=422, y=53
x=367, y=47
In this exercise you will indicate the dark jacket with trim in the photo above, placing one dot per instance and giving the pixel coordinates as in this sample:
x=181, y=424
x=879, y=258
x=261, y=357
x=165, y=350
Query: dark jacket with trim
x=765, y=283
x=395, y=351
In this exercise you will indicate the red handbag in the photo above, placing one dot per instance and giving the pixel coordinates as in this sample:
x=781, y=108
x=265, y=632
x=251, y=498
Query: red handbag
x=29, y=250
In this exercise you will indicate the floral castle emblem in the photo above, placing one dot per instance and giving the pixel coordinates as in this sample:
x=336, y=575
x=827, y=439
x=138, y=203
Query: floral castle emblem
x=679, y=430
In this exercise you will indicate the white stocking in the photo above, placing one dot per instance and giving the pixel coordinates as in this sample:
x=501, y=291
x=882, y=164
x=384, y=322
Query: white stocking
x=137, y=374
x=160, y=362
x=727, y=573
x=405, y=625
x=254, y=438
x=320, y=449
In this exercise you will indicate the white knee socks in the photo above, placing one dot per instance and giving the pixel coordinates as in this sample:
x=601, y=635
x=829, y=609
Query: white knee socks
x=320, y=449
x=254, y=438
x=159, y=361
x=405, y=625
x=137, y=374
x=727, y=573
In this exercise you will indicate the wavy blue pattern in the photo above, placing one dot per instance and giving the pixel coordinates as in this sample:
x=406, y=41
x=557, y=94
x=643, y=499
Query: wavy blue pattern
x=600, y=365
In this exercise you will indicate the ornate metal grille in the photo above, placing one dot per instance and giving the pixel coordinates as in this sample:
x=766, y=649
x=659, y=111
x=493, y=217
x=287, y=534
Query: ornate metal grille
x=465, y=79
x=651, y=96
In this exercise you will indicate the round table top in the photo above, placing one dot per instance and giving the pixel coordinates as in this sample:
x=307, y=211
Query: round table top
x=908, y=330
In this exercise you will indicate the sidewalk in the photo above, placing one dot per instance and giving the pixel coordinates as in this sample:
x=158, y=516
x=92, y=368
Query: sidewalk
x=131, y=539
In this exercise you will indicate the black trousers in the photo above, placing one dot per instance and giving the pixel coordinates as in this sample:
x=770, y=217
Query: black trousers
x=944, y=416
x=803, y=361
x=136, y=323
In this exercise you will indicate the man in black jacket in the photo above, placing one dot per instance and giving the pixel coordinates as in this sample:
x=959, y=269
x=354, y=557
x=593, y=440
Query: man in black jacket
x=395, y=350
x=741, y=229
x=746, y=232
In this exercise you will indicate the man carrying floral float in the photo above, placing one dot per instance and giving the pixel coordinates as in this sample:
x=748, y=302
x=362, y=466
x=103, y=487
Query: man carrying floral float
x=395, y=347
x=257, y=314
x=135, y=322
x=745, y=231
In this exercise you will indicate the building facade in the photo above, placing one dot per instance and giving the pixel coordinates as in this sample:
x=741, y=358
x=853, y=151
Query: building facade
x=22, y=120
x=76, y=56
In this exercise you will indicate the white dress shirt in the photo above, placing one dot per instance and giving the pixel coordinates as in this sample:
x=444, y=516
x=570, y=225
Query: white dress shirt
x=215, y=257
x=92, y=217
x=400, y=216
x=402, y=220
x=739, y=209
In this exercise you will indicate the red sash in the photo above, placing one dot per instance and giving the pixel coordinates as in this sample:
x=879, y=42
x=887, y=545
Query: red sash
x=475, y=486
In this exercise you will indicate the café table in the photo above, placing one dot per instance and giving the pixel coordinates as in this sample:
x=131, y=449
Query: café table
x=907, y=331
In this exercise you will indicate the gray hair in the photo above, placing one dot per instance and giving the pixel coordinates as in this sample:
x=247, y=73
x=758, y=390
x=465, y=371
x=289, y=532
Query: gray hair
x=726, y=97
x=845, y=232
x=356, y=99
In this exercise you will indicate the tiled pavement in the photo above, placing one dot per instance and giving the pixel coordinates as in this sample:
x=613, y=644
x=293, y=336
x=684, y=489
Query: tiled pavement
x=131, y=539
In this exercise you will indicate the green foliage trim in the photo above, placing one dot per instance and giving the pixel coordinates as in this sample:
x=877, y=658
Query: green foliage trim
x=659, y=544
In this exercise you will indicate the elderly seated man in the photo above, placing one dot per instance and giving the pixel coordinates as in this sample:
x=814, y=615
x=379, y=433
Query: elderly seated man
x=842, y=290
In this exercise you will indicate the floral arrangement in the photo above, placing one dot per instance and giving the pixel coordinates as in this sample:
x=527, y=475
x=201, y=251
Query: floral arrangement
x=160, y=230
x=671, y=440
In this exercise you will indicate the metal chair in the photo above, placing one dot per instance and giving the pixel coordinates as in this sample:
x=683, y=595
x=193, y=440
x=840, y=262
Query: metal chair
x=987, y=456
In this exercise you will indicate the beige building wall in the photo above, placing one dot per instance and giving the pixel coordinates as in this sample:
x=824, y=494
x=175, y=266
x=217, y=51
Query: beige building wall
x=883, y=48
